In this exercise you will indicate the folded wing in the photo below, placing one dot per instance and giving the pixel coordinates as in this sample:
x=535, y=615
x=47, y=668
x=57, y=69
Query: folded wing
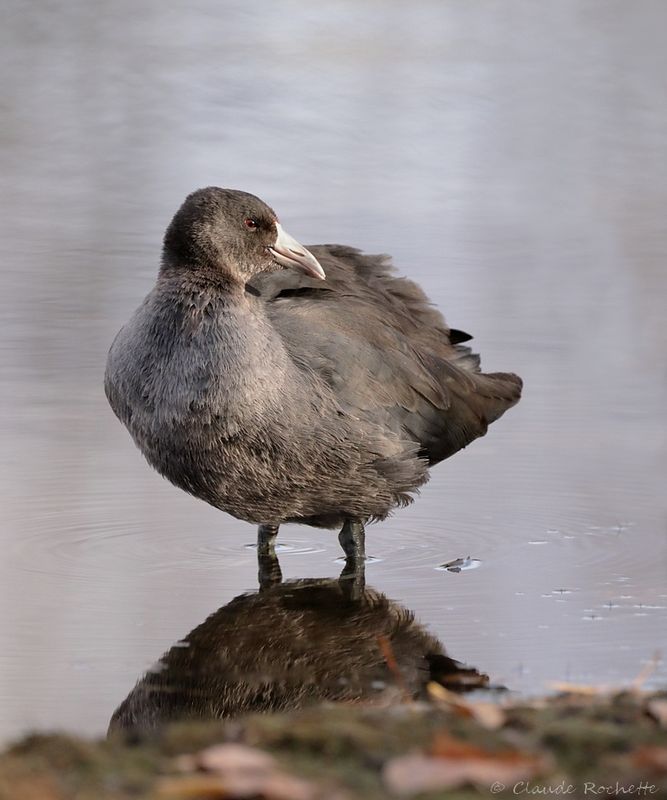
x=386, y=353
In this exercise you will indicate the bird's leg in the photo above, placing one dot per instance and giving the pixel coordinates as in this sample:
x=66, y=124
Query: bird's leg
x=269, y=573
x=352, y=580
x=352, y=538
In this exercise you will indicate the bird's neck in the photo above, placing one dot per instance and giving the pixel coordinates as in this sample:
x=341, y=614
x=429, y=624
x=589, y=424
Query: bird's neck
x=227, y=351
x=204, y=279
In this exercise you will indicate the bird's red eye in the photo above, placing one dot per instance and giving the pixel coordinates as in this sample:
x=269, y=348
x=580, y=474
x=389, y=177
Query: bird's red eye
x=250, y=223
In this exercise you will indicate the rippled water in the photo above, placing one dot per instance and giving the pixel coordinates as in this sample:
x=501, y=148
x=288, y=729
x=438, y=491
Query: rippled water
x=513, y=159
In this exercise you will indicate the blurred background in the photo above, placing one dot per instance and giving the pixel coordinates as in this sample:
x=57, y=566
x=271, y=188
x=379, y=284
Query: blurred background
x=512, y=157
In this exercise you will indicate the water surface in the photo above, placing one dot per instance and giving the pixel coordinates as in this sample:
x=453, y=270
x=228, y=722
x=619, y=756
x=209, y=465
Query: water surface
x=511, y=157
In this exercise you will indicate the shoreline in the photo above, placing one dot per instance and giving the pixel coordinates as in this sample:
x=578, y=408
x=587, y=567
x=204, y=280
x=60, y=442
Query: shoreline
x=578, y=743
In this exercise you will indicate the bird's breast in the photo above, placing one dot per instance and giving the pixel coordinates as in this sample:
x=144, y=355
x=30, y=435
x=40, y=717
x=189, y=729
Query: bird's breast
x=206, y=399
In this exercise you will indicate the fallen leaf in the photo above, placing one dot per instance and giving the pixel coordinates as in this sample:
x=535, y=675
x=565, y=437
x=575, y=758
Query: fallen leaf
x=452, y=763
x=237, y=771
x=414, y=774
x=438, y=692
x=450, y=699
x=658, y=710
x=446, y=746
x=575, y=688
x=647, y=670
x=31, y=788
x=235, y=757
x=651, y=757
x=489, y=715
x=202, y=787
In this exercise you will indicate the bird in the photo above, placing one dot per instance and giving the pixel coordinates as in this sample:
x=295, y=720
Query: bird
x=290, y=645
x=285, y=384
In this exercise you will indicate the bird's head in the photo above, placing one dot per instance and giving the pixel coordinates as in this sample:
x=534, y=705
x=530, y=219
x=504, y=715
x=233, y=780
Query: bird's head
x=233, y=234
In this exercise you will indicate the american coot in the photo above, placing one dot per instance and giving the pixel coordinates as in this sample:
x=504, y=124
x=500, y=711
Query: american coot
x=281, y=384
x=289, y=645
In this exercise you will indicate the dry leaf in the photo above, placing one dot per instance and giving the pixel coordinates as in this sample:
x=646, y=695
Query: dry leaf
x=202, y=787
x=647, y=670
x=575, y=688
x=38, y=787
x=235, y=757
x=658, y=710
x=441, y=695
x=489, y=715
x=651, y=757
x=446, y=746
x=237, y=771
x=414, y=774
x=438, y=692
x=453, y=763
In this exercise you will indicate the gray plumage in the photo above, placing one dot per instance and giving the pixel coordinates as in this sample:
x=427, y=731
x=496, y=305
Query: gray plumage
x=277, y=396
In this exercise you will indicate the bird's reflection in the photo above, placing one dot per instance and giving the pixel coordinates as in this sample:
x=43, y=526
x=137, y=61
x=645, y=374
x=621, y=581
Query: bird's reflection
x=290, y=644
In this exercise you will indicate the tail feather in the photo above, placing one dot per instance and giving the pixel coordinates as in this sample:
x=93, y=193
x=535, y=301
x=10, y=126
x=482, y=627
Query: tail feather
x=497, y=392
x=466, y=359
